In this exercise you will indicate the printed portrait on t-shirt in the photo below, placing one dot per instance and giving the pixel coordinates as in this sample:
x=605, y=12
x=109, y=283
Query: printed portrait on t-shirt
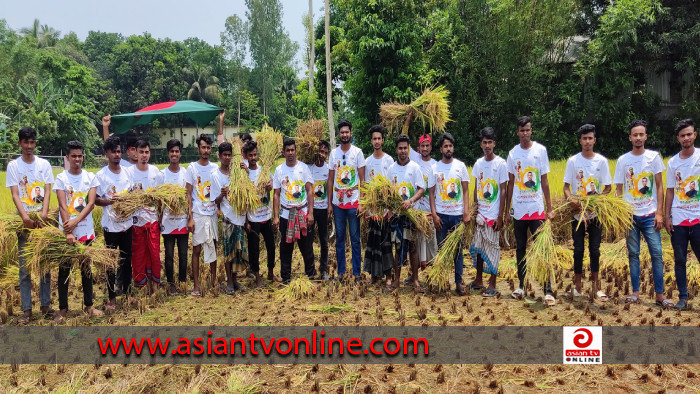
x=691, y=191
x=345, y=178
x=452, y=190
x=320, y=191
x=406, y=190
x=528, y=180
x=295, y=192
x=644, y=185
x=487, y=191
x=204, y=191
x=33, y=195
x=76, y=203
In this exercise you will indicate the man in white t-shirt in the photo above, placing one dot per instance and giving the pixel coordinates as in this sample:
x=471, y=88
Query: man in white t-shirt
x=648, y=206
x=113, y=182
x=174, y=227
x=24, y=173
x=145, y=241
x=345, y=176
x=75, y=220
x=449, y=204
x=232, y=235
x=379, y=257
x=202, y=221
x=528, y=191
x=293, y=214
x=319, y=172
x=409, y=181
x=592, y=170
x=683, y=202
x=491, y=176
x=259, y=221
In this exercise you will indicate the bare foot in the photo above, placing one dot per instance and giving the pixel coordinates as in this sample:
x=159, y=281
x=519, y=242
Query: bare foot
x=93, y=312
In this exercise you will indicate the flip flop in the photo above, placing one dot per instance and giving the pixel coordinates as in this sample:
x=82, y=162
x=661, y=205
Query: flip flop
x=472, y=286
x=23, y=320
x=195, y=293
x=549, y=300
x=665, y=303
x=518, y=294
x=573, y=294
x=601, y=296
x=632, y=299
x=490, y=293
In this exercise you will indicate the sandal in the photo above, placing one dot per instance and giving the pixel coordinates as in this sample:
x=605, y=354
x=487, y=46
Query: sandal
x=109, y=308
x=549, y=300
x=490, y=293
x=681, y=305
x=632, y=299
x=23, y=320
x=573, y=294
x=601, y=296
x=418, y=289
x=472, y=286
x=195, y=293
x=665, y=303
x=518, y=294
x=230, y=289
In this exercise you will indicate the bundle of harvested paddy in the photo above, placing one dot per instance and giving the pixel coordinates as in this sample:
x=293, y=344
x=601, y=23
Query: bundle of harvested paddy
x=613, y=213
x=298, y=288
x=508, y=269
x=443, y=262
x=307, y=138
x=243, y=195
x=269, y=149
x=11, y=225
x=162, y=196
x=431, y=108
x=542, y=256
x=47, y=249
x=379, y=194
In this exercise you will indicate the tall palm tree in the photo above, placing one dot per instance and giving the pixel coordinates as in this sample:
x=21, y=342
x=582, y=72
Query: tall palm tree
x=312, y=56
x=45, y=35
x=329, y=86
x=202, y=85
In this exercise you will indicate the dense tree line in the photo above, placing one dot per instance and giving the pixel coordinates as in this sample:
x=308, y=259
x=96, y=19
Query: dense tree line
x=565, y=63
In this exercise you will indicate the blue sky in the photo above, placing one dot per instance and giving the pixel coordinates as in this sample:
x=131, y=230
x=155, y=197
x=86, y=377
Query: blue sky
x=176, y=19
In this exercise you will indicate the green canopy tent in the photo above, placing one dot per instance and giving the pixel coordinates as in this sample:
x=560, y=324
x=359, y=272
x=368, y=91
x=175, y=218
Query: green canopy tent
x=200, y=113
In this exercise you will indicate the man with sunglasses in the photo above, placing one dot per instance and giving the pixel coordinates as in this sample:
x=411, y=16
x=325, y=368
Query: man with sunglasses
x=344, y=178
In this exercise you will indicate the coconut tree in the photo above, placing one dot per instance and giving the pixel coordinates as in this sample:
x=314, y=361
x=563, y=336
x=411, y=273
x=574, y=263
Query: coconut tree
x=45, y=35
x=203, y=86
x=329, y=86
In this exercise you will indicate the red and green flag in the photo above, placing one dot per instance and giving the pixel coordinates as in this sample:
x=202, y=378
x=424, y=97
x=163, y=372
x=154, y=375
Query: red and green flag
x=200, y=113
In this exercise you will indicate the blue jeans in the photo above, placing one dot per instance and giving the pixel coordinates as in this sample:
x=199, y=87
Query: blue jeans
x=343, y=217
x=644, y=225
x=449, y=222
x=679, y=240
x=25, y=281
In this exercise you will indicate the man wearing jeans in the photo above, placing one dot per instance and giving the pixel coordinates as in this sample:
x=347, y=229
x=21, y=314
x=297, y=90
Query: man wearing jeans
x=684, y=222
x=449, y=209
x=346, y=173
x=637, y=179
x=22, y=173
x=528, y=189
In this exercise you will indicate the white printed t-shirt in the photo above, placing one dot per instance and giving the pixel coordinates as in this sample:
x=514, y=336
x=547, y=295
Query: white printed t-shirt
x=28, y=177
x=489, y=176
x=406, y=178
x=587, y=176
x=449, y=196
x=527, y=167
x=77, y=188
x=320, y=186
x=292, y=184
x=346, y=193
x=264, y=212
x=173, y=224
x=426, y=168
x=636, y=175
x=374, y=166
x=112, y=184
x=142, y=181
x=200, y=178
x=218, y=181
x=685, y=209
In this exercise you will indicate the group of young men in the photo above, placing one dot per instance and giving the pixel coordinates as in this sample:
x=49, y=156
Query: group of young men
x=300, y=199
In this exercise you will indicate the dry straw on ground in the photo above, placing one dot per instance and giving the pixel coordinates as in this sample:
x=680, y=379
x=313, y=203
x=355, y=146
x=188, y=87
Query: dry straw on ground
x=431, y=108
